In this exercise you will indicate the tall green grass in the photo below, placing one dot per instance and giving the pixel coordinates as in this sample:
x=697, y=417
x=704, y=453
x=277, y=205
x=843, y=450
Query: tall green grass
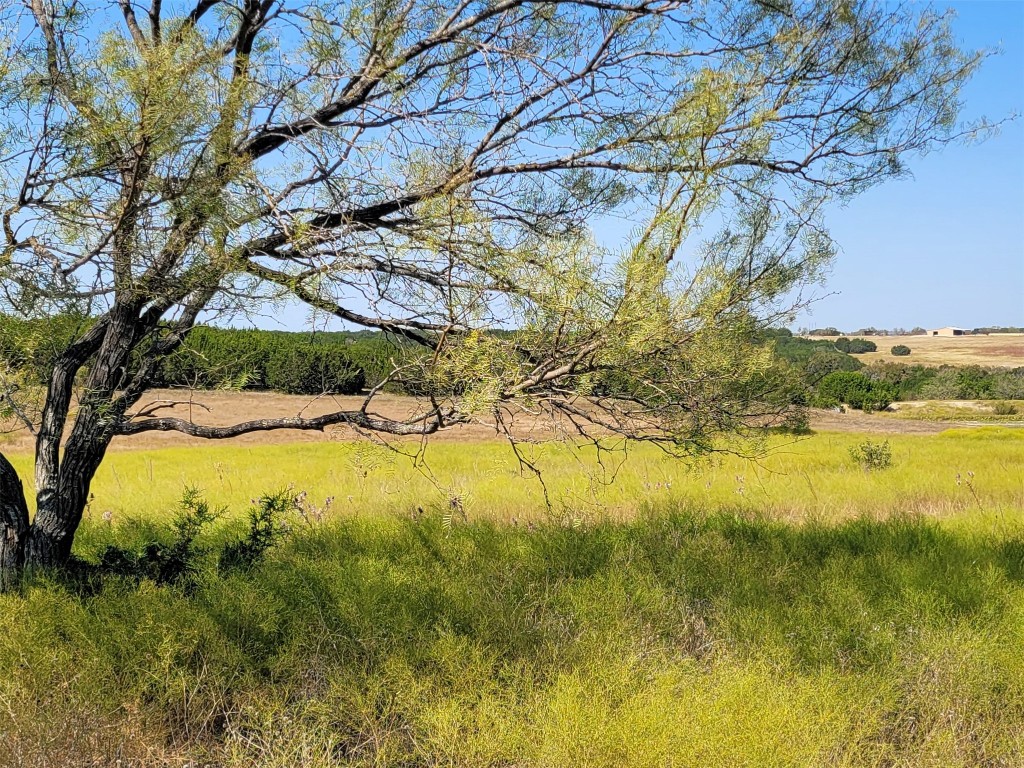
x=673, y=640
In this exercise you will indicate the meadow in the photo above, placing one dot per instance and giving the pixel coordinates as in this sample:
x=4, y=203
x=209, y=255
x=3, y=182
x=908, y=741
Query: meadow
x=1005, y=350
x=791, y=611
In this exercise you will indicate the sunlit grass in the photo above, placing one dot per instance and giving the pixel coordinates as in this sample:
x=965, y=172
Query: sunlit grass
x=977, y=411
x=799, y=479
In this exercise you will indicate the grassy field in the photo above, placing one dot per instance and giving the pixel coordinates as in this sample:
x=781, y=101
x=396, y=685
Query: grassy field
x=975, y=411
x=798, y=611
x=1004, y=350
x=800, y=478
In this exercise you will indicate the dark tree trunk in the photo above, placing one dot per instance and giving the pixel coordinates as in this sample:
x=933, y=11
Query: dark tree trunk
x=57, y=517
x=63, y=479
x=13, y=524
x=63, y=476
x=46, y=542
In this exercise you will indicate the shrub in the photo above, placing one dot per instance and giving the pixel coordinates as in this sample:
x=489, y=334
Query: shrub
x=900, y=350
x=860, y=346
x=178, y=561
x=266, y=527
x=907, y=381
x=822, y=363
x=843, y=344
x=972, y=382
x=1004, y=409
x=314, y=370
x=872, y=456
x=854, y=389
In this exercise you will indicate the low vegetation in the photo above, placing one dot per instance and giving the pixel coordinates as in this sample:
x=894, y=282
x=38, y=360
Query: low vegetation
x=684, y=639
x=872, y=456
x=963, y=411
x=801, y=478
x=855, y=346
x=791, y=611
x=854, y=389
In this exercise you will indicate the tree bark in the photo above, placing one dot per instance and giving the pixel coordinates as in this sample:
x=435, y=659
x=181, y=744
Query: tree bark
x=13, y=524
x=57, y=517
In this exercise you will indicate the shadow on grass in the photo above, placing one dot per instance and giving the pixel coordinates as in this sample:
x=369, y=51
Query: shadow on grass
x=818, y=594
x=871, y=642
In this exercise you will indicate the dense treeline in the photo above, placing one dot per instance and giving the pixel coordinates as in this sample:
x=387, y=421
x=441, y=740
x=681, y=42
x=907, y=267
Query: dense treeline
x=916, y=331
x=294, y=363
x=875, y=387
x=345, y=362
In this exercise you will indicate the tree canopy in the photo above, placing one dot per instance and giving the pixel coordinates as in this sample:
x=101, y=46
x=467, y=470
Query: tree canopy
x=437, y=170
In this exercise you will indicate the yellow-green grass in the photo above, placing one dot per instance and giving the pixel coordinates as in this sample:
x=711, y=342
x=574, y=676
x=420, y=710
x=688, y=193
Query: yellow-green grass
x=960, y=410
x=823, y=617
x=676, y=639
x=800, y=478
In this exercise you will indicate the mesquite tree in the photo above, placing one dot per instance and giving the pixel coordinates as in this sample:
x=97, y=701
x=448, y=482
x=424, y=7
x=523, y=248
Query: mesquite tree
x=437, y=170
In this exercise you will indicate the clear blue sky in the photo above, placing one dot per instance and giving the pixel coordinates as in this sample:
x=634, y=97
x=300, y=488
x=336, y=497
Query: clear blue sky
x=947, y=246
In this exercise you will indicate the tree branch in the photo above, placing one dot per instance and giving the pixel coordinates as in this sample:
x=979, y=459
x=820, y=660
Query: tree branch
x=424, y=425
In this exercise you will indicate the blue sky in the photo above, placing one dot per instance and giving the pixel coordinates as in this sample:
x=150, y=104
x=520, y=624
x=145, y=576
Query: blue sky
x=947, y=246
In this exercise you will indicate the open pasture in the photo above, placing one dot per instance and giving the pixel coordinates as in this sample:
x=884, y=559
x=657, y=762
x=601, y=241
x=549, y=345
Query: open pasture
x=790, y=612
x=1003, y=350
x=797, y=479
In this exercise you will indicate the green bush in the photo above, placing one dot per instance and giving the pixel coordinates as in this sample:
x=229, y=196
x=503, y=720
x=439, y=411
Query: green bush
x=860, y=346
x=855, y=389
x=314, y=370
x=822, y=363
x=907, y=381
x=855, y=346
x=266, y=527
x=1004, y=409
x=872, y=456
x=174, y=561
x=900, y=350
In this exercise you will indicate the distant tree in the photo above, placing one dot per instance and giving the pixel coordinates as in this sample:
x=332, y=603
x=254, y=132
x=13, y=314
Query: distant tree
x=856, y=390
x=432, y=169
x=822, y=363
x=860, y=346
x=999, y=329
x=918, y=331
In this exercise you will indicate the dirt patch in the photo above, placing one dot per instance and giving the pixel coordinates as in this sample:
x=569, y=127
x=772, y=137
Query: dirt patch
x=225, y=408
x=856, y=421
x=214, y=408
